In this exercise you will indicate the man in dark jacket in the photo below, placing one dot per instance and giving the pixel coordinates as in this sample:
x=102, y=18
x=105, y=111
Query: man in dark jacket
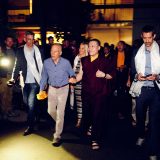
x=29, y=66
x=7, y=60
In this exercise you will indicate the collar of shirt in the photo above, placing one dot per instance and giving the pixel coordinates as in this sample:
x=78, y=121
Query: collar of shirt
x=57, y=62
x=147, y=51
x=94, y=57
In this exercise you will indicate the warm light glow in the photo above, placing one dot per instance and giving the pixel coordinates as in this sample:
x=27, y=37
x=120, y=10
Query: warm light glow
x=111, y=33
x=18, y=12
x=112, y=25
x=60, y=40
x=4, y=62
x=37, y=36
x=36, y=147
x=26, y=28
x=118, y=25
x=112, y=1
x=36, y=31
x=30, y=6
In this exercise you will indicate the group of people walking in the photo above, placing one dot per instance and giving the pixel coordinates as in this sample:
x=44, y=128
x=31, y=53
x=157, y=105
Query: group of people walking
x=95, y=77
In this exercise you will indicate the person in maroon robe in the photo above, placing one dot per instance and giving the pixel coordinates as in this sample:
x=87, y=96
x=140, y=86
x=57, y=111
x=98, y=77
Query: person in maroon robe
x=96, y=74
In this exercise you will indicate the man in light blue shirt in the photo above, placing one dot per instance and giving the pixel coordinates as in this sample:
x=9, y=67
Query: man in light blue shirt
x=147, y=62
x=57, y=73
x=148, y=69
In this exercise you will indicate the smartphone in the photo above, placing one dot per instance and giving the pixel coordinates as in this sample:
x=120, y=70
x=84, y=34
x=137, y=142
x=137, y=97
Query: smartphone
x=146, y=76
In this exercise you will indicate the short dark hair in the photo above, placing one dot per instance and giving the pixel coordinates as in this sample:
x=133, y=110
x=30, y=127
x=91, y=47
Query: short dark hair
x=29, y=33
x=50, y=37
x=148, y=28
x=96, y=40
x=9, y=36
x=123, y=42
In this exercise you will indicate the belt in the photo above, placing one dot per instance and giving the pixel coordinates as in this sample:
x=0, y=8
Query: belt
x=57, y=87
x=148, y=87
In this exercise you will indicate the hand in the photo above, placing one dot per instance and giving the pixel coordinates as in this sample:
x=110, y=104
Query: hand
x=128, y=83
x=42, y=95
x=100, y=74
x=122, y=67
x=72, y=80
x=140, y=77
x=152, y=77
x=108, y=76
x=10, y=83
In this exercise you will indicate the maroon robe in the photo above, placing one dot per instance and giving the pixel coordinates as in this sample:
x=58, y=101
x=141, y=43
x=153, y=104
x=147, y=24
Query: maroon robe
x=94, y=93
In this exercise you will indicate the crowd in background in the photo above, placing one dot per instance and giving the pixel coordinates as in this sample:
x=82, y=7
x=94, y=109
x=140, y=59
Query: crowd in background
x=117, y=77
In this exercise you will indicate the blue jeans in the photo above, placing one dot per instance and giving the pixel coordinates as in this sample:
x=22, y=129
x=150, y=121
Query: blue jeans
x=29, y=96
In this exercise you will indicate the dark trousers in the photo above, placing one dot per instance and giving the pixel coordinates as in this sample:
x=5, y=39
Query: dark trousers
x=123, y=101
x=93, y=114
x=149, y=99
x=29, y=96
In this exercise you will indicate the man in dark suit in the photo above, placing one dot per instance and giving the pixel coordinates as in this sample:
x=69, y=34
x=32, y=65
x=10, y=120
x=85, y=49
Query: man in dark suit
x=29, y=66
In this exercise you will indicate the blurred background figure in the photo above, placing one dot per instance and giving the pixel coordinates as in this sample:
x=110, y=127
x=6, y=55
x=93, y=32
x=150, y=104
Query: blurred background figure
x=48, y=47
x=123, y=104
x=6, y=66
x=36, y=42
x=67, y=52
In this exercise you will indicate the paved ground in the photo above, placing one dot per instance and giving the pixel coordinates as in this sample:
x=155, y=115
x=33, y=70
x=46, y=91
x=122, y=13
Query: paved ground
x=119, y=142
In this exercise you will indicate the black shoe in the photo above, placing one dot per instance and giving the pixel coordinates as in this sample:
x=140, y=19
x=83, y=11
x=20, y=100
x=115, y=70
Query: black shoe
x=56, y=142
x=28, y=131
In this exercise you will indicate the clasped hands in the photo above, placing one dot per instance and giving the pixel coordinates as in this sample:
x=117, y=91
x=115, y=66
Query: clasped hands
x=72, y=80
x=101, y=74
x=151, y=77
